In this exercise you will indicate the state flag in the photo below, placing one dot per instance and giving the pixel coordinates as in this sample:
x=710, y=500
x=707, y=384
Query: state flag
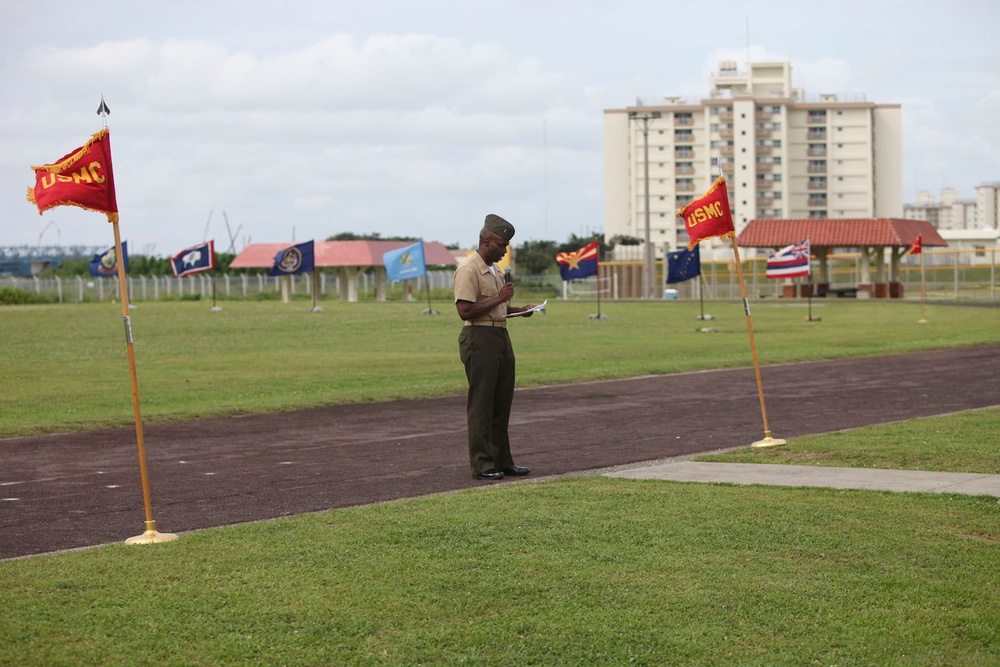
x=294, y=259
x=683, y=264
x=578, y=264
x=195, y=259
x=405, y=263
x=789, y=262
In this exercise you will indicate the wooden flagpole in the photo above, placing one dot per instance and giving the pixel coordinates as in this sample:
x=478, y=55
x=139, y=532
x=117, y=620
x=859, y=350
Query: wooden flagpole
x=768, y=441
x=150, y=534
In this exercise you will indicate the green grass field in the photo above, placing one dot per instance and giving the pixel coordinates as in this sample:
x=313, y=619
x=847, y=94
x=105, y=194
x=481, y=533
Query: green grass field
x=66, y=367
x=576, y=571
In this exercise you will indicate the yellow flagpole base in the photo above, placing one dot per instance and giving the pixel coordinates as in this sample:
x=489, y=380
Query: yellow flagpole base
x=768, y=441
x=151, y=536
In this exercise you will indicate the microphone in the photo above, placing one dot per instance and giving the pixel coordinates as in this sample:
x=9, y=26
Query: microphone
x=506, y=275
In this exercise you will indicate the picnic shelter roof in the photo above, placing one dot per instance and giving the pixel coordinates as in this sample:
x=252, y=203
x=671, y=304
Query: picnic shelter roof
x=844, y=233
x=341, y=253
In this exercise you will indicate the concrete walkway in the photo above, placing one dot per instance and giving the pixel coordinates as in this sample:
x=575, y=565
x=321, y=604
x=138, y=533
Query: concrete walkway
x=972, y=484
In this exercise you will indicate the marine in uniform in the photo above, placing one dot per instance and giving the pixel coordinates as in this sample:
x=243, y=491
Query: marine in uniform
x=482, y=298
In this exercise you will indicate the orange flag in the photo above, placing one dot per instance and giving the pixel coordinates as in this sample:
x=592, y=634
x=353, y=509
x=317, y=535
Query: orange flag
x=708, y=216
x=917, y=247
x=81, y=178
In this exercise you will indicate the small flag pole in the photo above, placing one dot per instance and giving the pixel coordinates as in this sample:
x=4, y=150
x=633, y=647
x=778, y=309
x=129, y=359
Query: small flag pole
x=427, y=282
x=811, y=318
x=315, y=288
x=701, y=296
x=768, y=441
x=215, y=306
x=922, y=289
x=597, y=279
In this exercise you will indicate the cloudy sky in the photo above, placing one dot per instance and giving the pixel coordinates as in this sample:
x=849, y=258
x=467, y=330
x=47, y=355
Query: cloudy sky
x=301, y=120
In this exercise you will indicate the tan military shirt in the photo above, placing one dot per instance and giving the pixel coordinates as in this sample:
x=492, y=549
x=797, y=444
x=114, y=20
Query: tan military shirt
x=474, y=282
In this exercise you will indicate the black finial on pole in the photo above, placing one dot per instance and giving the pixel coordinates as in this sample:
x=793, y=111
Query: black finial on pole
x=103, y=111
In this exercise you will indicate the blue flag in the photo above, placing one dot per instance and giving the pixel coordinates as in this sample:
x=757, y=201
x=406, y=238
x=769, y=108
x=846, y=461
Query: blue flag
x=294, y=259
x=195, y=259
x=405, y=263
x=683, y=265
x=106, y=264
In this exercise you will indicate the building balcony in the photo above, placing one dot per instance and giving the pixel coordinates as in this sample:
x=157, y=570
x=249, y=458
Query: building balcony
x=684, y=187
x=763, y=115
x=817, y=133
x=728, y=167
x=683, y=120
x=815, y=185
x=725, y=115
x=684, y=170
x=764, y=184
x=763, y=132
x=725, y=150
x=817, y=169
x=816, y=119
x=684, y=138
x=726, y=132
x=817, y=201
x=764, y=201
x=684, y=152
x=764, y=166
x=817, y=152
x=765, y=150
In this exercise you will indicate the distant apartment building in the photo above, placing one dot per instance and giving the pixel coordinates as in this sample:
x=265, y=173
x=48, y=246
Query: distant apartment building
x=783, y=155
x=951, y=212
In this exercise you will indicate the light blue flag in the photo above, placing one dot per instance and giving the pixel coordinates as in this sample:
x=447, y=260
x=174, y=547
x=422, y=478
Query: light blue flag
x=405, y=263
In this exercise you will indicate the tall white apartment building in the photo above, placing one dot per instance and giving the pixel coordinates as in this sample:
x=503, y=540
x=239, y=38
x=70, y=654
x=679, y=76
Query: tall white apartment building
x=783, y=155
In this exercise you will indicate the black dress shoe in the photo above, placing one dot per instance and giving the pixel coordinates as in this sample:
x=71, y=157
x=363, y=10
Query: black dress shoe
x=517, y=471
x=491, y=474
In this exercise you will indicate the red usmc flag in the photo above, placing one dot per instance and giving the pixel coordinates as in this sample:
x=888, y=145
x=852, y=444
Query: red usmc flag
x=708, y=216
x=81, y=178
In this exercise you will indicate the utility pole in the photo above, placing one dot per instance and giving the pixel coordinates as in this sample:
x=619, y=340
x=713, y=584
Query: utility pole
x=648, y=265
